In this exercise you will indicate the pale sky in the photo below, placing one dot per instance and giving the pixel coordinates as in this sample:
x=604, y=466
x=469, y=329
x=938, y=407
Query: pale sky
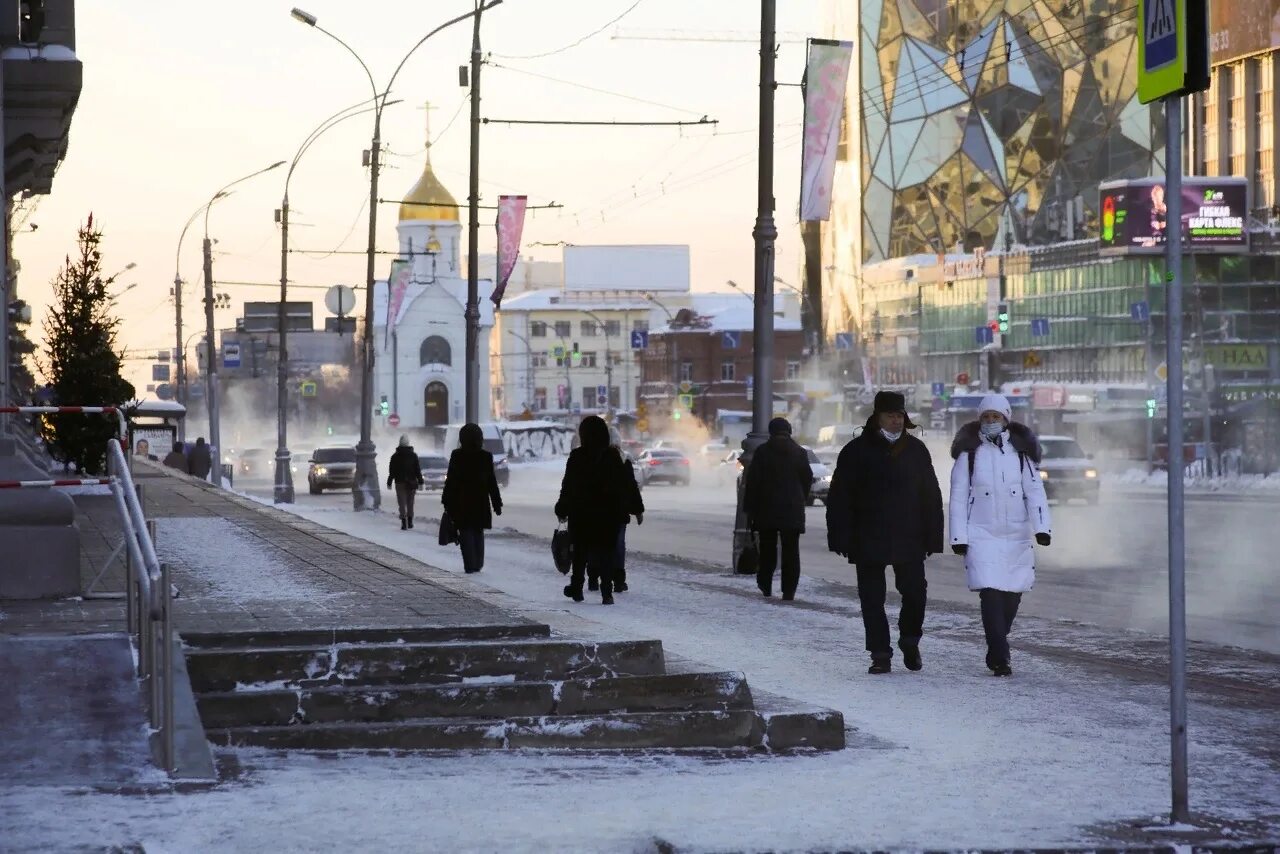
x=181, y=98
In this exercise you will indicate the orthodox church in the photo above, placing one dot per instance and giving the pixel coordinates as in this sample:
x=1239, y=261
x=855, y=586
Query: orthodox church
x=420, y=343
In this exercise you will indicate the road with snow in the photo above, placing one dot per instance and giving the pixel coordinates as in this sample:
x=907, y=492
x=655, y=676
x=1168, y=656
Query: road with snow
x=1107, y=565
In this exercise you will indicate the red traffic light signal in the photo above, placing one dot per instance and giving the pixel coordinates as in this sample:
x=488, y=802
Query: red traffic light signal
x=993, y=325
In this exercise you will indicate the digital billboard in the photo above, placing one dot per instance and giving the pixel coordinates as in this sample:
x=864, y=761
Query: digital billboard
x=1241, y=27
x=1134, y=216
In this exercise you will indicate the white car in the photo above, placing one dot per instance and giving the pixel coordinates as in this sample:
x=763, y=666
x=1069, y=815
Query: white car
x=821, y=477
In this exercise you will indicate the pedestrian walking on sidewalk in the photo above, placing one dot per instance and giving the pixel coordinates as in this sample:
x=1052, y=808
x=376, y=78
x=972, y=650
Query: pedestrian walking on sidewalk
x=595, y=500
x=777, y=491
x=175, y=459
x=470, y=489
x=405, y=472
x=201, y=460
x=635, y=507
x=998, y=506
x=885, y=508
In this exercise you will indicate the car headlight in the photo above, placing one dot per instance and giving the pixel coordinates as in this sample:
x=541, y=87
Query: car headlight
x=1044, y=475
x=826, y=478
x=1091, y=473
x=321, y=470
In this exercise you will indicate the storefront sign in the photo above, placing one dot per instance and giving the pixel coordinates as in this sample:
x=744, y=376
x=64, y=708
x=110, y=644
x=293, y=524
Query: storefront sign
x=1237, y=357
x=1049, y=397
x=968, y=267
x=1240, y=27
x=1081, y=401
x=1244, y=393
x=1135, y=216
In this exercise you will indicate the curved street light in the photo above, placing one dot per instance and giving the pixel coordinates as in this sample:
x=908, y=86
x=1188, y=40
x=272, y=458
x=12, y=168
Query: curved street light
x=179, y=356
x=366, y=491
x=284, y=492
x=211, y=366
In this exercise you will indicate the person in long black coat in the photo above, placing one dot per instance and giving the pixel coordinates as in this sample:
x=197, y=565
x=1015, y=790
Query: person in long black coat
x=405, y=472
x=470, y=489
x=885, y=508
x=595, y=498
x=201, y=460
x=777, y=489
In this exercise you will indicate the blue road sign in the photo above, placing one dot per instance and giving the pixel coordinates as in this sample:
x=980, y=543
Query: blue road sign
x=1040, y=327
x=639, y=339
x=844, y=340
x=939, y=389
x=729, y=340
x=159, y=373
x=230, y=355
x=983, y=335
x=1140, y=311
x=602, y=395
x=1162, y=51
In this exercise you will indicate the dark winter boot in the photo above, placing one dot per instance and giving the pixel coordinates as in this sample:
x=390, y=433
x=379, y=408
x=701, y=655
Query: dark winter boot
x=880, y=665
x=911, y=655
x=1002, y=669
x=573, y=592
x=606, y=591
x=765, y=583
x=404, y=525
x=593, y=583
x=409, y=520
x=620, y=587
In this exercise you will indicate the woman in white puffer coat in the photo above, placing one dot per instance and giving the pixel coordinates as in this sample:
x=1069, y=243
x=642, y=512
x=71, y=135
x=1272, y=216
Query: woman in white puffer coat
x=998, y=506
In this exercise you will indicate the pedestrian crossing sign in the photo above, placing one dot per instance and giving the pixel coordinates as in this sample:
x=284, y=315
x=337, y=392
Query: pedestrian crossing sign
x=1162, y=48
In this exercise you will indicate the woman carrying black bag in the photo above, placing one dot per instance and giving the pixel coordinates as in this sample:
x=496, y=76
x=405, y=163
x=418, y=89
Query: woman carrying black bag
x=470, y=487
x=594, y=498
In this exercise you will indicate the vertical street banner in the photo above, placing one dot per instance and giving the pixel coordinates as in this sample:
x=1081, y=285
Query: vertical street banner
x=510, y=225
x=397, y=286
x=826, y=76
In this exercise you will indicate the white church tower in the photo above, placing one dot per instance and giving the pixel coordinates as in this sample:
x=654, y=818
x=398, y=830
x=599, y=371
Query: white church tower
x=421, y=361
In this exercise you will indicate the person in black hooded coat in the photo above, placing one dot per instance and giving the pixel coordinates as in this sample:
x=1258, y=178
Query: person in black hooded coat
x=470, y=488
x=596, y=499
x=885, y=508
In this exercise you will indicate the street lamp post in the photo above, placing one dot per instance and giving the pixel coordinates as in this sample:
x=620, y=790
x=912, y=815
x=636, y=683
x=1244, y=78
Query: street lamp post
x=284, y=492
x=211, y=367
x=366, y=491
x=764, y=234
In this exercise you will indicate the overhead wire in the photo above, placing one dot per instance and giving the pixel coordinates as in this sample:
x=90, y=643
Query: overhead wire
x=596, y=89
x=574, y=44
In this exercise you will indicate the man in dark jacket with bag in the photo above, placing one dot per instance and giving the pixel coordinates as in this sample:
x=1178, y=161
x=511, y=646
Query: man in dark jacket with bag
x=405, y=472
x=777, y=490
x=470, y=491
x=885, y=508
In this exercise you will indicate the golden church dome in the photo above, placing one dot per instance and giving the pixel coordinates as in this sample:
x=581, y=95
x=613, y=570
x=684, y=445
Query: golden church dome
x=429, y=200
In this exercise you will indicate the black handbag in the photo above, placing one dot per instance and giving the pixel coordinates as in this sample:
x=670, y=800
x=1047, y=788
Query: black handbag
x=562, y=550
x=448, y=530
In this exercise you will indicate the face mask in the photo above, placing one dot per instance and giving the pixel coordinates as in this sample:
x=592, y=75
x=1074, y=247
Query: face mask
x=892, y=437
x=991, y=429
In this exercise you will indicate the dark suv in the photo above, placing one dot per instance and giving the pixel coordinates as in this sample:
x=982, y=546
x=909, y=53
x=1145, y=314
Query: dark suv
x=1067, y=471
x=332, y=468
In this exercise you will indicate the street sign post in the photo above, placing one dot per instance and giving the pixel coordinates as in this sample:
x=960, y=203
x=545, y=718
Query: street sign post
x=160, y=373
x=984, y=335
x=844, y=340
x=393, y=419
x=729, y=339
x=639, y=339
x=1040, y=327
x=938, y=389
x=230, y=355
x=1162, y=48
x=1140, y=311
x=307, y=388
x=602, y=395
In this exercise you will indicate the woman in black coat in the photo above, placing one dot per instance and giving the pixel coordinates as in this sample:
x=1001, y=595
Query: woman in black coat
x=596, y=499
x=470, y=487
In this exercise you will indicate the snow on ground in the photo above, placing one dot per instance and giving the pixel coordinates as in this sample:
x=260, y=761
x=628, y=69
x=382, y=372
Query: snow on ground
x=948, y=757
x=1240, y=483
x=229, y=564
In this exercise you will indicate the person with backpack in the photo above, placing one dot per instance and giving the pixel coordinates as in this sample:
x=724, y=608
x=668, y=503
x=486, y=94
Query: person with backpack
x=405, y=472
x=998, y=505
x=885, y=507
x=470, y=489
x=776, y=492
x=596, y=500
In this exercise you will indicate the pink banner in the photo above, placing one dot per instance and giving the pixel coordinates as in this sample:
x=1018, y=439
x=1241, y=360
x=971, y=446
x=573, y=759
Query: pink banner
x=510, y=225
x=397, y=285
x=826, y=78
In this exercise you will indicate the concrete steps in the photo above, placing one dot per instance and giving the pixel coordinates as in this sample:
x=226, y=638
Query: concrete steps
x=410, y=690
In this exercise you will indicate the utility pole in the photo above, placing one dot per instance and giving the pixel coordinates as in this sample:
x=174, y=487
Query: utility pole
x=472, y=313
x=179, y=363
x=283, y=493
x=764, y=234
x=211, y=363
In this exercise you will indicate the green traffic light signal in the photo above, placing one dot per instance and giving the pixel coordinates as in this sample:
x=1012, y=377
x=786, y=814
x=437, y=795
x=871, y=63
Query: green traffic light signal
x=1151, y=407
x=1002, y=317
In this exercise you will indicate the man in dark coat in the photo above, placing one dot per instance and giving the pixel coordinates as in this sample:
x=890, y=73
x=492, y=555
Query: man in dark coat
x=596, y=499
x=405, y=472
x=777, y=490
x=175, y=459
x=470, y=487
x=201, y=460
x=885, y=507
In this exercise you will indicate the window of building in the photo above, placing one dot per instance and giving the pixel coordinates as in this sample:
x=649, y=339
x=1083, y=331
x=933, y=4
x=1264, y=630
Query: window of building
x=1209, y=126
x=435, y=351
x=793, y=370
x=590, y=329
x=613, y=328
x=1237, y=129
x=640, y=324
x=588, y=359
x=615, y=358
x=563, y=328
x=539, y=398
x=1264, y=188
x=686, y=371
x=539, y=360
x=538, y=329
x=727, y=372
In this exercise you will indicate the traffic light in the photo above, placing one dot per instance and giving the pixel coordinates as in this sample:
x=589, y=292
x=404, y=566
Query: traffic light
x=1002, y=318
x=384, y=408
x=1151, y=407
x=576, y=356
x=675, y=414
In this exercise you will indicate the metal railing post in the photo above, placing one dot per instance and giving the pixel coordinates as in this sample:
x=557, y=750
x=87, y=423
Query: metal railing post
x=166, y=638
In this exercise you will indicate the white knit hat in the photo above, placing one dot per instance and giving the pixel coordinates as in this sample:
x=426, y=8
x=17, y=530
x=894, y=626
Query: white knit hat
x=996, y=403
x=404, y=440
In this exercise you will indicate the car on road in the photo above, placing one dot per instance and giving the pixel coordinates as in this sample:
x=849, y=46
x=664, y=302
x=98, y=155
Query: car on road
x=665, y=464
x=434, y=468
x=1067, y=471
x=255, y=462
x=332, y=467
x=712, y=453
x=821, y=477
